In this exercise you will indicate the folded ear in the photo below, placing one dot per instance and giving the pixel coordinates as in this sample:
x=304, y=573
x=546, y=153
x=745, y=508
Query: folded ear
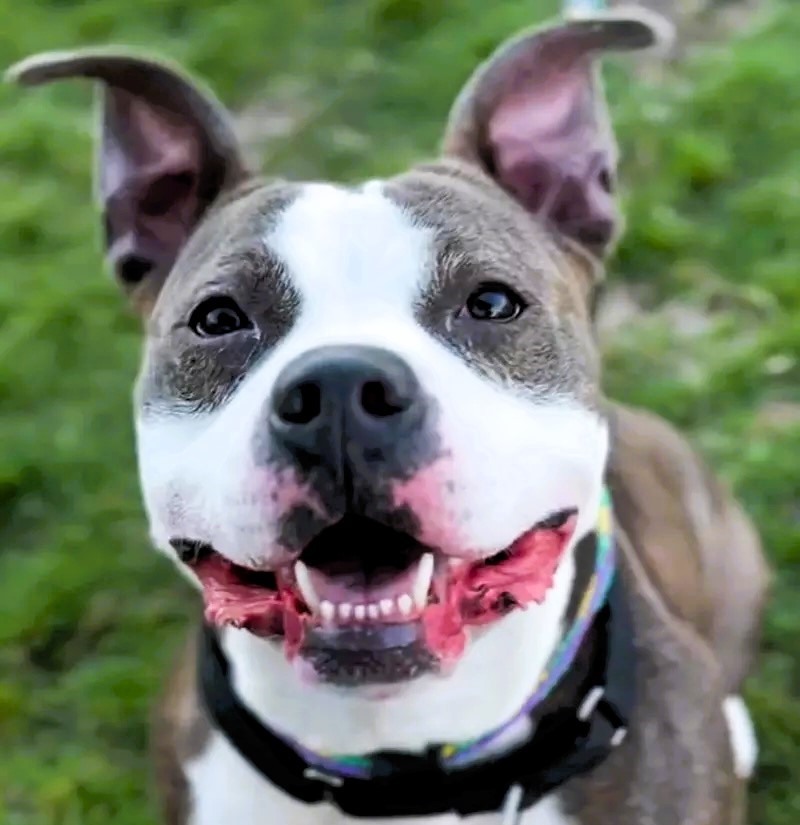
x=533, y=116
x=166, y=151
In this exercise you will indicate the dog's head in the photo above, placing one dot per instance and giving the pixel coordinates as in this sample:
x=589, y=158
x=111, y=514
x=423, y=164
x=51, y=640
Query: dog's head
x=368, y=417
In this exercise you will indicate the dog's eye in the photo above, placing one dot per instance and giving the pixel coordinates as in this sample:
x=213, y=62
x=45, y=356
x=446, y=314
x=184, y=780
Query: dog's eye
x=494, y=302
x=218, y=316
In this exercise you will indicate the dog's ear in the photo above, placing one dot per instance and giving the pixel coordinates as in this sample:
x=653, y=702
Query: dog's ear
x=166, y=151
x=533, y=116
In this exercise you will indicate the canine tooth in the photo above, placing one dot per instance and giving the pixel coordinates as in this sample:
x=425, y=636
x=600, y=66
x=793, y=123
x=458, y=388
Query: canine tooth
x=422, y=582
x=328, y=611
x=305, y=586
x=360, y=612
x=387, y=607
x=405, y=604
x=373, y=611
x=345, y=610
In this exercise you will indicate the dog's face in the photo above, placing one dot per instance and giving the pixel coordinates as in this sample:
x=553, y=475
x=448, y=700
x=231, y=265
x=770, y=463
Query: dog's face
x=368, y=417
x=360, y=390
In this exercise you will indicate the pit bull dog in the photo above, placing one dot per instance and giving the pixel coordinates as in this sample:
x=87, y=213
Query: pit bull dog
x=445, y=578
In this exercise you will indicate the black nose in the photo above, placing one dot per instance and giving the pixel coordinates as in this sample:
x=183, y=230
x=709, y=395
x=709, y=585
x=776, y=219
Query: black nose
x=337, y=400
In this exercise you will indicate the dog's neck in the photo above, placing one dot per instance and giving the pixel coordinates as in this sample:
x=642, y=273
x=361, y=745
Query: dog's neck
x=499, y=671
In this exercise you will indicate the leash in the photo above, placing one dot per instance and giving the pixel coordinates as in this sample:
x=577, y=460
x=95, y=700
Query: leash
x=566, y=742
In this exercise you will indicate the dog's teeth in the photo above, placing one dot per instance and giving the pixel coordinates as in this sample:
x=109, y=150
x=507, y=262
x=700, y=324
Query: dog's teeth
x=387, y=607
x=422, y=582
x=327, y=610
x=373, y=611
x=345, y=610
x=405, y=604
x=360, y=612
x=305, y=587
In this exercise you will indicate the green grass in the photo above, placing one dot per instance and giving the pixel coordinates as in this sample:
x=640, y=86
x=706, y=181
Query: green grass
x=88, y=615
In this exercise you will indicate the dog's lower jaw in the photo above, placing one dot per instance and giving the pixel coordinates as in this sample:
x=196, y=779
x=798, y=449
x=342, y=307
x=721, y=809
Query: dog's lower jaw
x=488, y=685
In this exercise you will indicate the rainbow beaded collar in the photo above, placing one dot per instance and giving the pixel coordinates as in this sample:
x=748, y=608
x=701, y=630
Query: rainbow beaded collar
x=457, y=755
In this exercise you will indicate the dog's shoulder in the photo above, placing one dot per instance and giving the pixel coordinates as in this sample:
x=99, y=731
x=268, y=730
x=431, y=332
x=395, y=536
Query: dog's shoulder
x=180, y=731
x=691, y=536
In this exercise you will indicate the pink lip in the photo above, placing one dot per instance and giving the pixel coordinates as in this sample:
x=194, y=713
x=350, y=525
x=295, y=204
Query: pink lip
x=471, y=594
x=478, y=594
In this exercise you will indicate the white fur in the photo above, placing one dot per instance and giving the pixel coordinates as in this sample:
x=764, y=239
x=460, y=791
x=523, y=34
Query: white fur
x=359, y=264
x=744, y=743
x=233, y=792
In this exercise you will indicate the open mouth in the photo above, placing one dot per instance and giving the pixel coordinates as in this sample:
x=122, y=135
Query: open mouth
x=359, y=571
x=361, y=585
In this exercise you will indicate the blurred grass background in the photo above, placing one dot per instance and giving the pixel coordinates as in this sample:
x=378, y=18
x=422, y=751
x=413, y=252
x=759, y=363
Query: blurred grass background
x=701, y=322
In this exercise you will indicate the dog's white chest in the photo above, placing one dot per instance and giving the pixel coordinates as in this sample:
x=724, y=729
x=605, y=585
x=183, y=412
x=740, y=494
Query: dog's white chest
x=226, y=789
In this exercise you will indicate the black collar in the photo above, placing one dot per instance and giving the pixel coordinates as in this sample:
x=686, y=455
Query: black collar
x=568, y=741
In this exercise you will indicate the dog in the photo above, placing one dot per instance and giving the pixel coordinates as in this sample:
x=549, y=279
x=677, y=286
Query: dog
x=444, y=577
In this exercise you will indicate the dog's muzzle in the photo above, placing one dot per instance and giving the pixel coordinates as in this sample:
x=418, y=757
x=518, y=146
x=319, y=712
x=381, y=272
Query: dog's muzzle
x=361, y=596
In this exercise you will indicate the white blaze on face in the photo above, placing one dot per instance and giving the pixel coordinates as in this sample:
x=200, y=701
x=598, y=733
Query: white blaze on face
x=360, y=264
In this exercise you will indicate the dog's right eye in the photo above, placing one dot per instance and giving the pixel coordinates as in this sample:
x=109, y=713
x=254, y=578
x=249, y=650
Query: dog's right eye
x=494, y=302
x=218, y=316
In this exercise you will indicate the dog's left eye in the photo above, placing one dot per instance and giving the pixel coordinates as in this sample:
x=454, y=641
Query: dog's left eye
x=494, y=302
x=218, y=316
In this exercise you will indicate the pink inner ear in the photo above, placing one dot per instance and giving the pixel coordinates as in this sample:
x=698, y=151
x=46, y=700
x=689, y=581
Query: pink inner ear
x=550, y=152
x=149, y=169
x=141, y=143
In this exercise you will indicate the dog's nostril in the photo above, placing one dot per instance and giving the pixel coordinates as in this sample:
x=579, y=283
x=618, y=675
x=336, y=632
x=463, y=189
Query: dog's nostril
x=380, y=400
x=301, y=405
